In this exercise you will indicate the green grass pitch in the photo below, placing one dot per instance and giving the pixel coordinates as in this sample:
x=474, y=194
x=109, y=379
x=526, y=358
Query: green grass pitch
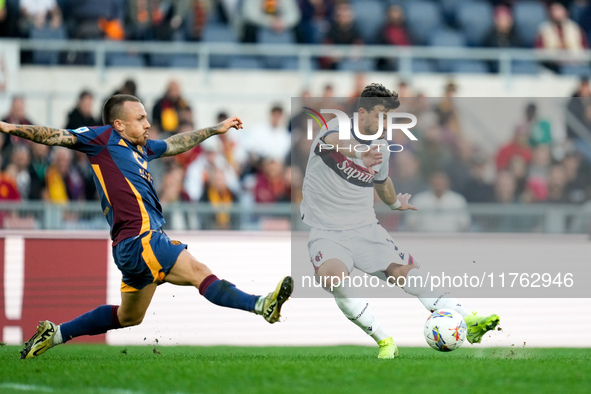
x=344, y=369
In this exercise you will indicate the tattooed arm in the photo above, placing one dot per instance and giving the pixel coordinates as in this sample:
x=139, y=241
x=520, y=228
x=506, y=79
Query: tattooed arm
x=181, y=143
x=40, y=134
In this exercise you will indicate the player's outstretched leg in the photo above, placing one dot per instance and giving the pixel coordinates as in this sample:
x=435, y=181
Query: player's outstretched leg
x=188, y=271
x=415, y=284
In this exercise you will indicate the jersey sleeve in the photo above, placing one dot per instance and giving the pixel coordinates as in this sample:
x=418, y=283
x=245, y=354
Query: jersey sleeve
x=155, y=148
x=384, y=170
x=90, y=140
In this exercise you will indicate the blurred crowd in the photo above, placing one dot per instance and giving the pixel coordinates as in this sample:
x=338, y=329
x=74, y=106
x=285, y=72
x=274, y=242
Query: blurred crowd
x=455, y=23
x=265, y=163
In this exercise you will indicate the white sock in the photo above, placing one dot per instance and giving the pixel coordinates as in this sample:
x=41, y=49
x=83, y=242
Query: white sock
x=258, y=307
x=431, y=299
x=359, y=312
x=57, y=338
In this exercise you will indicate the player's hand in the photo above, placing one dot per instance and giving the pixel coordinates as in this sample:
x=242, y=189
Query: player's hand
x=371, y=158
x=231, y=123
x=403, y=198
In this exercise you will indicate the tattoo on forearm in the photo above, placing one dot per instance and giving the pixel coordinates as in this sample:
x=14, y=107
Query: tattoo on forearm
x=45, y=135
x=183, y=142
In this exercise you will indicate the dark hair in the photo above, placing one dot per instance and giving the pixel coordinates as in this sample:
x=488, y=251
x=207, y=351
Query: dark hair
x=377, y=94
x=277, y=108
x=84, y=93
x=113, y=106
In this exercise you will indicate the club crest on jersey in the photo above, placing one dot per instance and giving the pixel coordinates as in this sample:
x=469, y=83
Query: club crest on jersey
x=318, y=257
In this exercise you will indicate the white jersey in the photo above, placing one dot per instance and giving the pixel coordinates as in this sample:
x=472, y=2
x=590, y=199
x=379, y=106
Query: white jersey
x=338, y=190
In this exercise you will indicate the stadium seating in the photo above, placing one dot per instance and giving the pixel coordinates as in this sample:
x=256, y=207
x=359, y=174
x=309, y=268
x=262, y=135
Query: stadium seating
x=369, y=17
x=184, y=61
x=446, y=38
x=525, y=67
x=580, y=70
x=423, y=17
x=47, y=57
x=358, y=65
x=449, y=9
x=528, y=15
x=423, y=66
x=475, y=19
x=125, y=60
x=245, y=62
x=469, y=67
x=218, y=32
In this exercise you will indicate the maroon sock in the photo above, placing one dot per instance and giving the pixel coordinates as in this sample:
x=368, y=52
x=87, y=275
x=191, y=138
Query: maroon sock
x=206, y=282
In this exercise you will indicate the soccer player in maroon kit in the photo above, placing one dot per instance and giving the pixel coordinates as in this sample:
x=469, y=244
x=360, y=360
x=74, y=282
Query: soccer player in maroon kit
x=119, y=153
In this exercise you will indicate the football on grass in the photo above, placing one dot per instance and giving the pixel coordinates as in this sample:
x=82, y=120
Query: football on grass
x=445, y=330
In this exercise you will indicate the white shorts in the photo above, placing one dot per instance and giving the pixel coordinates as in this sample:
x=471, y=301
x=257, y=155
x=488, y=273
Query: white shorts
x=369, y=249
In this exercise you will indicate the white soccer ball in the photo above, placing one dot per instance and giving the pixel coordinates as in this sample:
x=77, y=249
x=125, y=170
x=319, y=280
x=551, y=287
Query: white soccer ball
x=445, y=330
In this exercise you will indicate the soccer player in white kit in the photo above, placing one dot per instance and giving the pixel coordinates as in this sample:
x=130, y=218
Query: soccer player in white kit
x=338, y=193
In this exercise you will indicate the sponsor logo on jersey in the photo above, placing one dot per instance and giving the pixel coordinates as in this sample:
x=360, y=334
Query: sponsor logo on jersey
x=346, y=168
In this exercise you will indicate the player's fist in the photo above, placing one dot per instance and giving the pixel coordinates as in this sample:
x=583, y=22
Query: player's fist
x=231, y=123
x=371, y=158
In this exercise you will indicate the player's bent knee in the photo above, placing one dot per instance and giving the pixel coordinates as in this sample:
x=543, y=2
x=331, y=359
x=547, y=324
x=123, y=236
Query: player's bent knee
x=129, y=321
x=396, y=271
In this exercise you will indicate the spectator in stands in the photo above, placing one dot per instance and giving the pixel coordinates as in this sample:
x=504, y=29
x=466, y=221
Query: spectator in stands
x=91, y=19
x=518, y=146
x=540, y=162
x=276, y=15
x=8, y=188
x=16, y=115
x=458, y=167
x=579, y=124
x=170, y=110
x=270, y=183
x=518, y=167
x=539, y=129
x=198, y=172
x=404, y=167
x=82, y=166
x=269, y=140
x=4, y=29
x=441, y=209
x=393, y=32
x=128, y=87
x=221, y=198
x=37, y=171
x=503, y=34
x=64, y=183
x=315, y=19
x=447, y=115
x=342, y=31
x=477, y=188
x=231, y=148
x=171, y=191
x=505, y=188
x=560, y=32
x=433, y=154
x=557, y=182
x=577, y=174
x=535, y=191
x=39, y=15
x=161, y=20
x=20, y=161
x=81, y=114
